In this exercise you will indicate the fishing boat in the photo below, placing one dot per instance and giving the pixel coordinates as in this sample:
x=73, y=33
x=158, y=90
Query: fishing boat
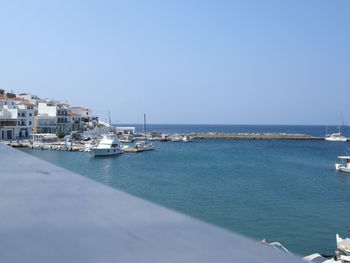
x=344, y=166
x=108, y=145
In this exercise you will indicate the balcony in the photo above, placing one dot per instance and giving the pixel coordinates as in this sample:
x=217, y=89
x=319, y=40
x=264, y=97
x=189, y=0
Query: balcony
x=4, y=114
x=46, y=124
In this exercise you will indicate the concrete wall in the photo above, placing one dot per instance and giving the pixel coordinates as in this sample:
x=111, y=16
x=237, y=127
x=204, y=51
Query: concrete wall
x=48, y=214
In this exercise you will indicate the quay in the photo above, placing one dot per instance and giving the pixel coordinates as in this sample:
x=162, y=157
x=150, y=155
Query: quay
x=81, y=145
x=233, y=136
x=49, y=214
x=252, y=136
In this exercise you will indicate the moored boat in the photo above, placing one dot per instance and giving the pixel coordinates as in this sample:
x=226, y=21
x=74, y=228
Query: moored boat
x=127, y=139
x=335, y=137
x=108, y=145
x=344, y=166
x=144, y=145
x=186, y=139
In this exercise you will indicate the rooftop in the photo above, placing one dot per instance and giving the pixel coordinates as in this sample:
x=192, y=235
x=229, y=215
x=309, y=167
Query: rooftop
x=8, y=98
x=25, y=103
x=73, y=114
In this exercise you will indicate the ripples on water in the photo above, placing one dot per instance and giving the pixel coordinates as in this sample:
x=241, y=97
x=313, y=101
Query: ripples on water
x=285, y=191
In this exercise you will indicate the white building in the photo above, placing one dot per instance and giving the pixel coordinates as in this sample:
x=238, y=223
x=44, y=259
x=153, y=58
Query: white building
x=59, y=111
x=76, y=121
x=89, y=120
x=8, y=118
x=45, y=124
x=25, y=119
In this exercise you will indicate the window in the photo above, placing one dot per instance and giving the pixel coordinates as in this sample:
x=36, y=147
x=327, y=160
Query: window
x=30, y=115
x=30, y=123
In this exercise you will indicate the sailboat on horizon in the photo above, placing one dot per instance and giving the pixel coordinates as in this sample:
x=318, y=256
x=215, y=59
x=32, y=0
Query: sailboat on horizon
x=336, y=137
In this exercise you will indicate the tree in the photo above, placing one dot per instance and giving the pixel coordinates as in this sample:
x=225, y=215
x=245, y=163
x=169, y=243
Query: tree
x=75, y=136
x=60, y=134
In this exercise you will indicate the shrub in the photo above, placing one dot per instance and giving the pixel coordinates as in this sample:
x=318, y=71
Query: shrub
x=60, y=134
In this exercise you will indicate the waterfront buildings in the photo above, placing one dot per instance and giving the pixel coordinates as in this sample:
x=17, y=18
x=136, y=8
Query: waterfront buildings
x=24, y=114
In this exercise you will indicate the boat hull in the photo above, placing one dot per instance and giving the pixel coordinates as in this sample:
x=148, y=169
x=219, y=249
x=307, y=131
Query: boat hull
x=340, y=167
x=106, y=152
x=336, y=139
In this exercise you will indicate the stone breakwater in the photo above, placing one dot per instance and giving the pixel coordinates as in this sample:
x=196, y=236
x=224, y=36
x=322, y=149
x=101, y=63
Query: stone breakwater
x=251, y=136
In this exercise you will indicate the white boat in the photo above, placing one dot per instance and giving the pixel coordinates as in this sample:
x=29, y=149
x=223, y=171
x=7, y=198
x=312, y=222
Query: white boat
x=176, y=138
x=108, y=145
x=186, y=139
x=144, y=145
x=315, y=258
x=127, y=139
x=344, y=165
x=335, y=137
x=131, y=149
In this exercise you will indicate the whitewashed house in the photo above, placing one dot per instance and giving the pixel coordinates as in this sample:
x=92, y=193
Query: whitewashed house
x=25, y=119
x=51, y=111
x=89, y=120
x=76, y=121
x=8, y=118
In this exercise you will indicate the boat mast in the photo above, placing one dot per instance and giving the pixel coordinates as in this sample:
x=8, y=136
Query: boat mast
x=109, y=121
x=144, y=126
x=342, y=119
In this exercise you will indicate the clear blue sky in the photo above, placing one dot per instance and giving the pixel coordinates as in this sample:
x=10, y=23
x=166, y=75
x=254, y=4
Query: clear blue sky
x=219, y=62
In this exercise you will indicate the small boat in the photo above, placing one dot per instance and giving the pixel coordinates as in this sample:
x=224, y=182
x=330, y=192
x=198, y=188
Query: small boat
x=176, y=138
x=335, y=137
x=138, y=147
x=131, y=149
x=89, y=145
x=127, y=139
x=338, y=256
x=344, y=166
x=144, y=145
x=109, y=145
x=186, y=139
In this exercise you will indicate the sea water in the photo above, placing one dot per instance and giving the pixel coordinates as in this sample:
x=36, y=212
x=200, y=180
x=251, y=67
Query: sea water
x=286, y=191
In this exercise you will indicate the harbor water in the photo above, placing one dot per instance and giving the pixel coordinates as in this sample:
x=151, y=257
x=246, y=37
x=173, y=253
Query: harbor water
x=286, y=191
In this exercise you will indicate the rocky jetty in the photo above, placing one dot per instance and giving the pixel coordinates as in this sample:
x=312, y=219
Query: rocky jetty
x=251, y=136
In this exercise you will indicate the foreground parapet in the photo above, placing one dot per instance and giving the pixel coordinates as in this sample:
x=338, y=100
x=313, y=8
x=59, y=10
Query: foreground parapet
x=49, y=214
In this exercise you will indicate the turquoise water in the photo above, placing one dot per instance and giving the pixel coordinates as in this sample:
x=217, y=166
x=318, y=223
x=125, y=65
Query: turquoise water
x=285, y=191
